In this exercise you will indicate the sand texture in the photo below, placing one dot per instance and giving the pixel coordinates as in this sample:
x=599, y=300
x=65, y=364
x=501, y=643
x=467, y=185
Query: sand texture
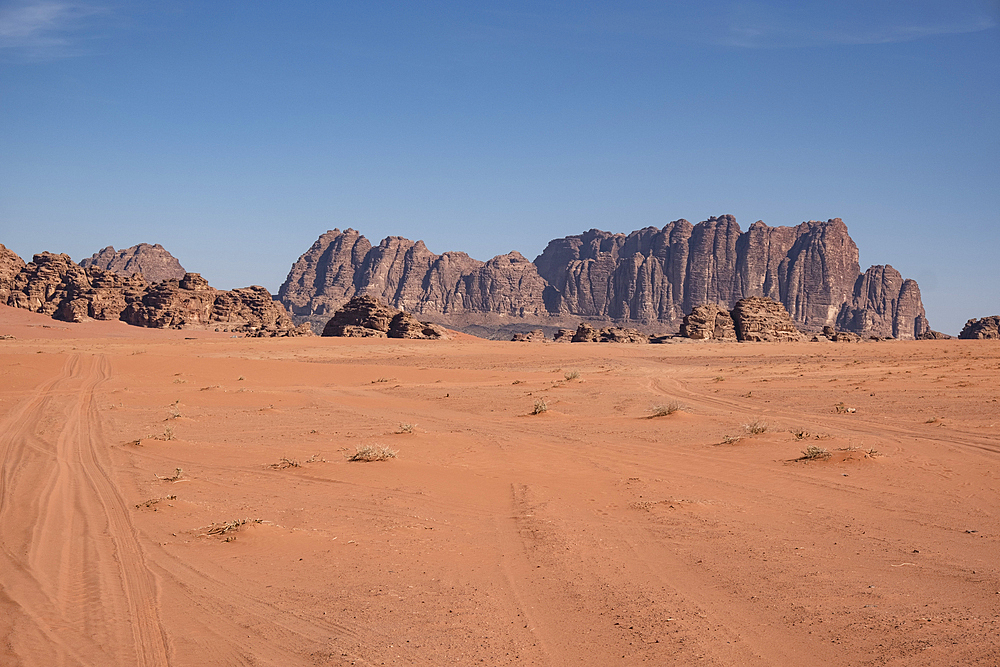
x=185, y=498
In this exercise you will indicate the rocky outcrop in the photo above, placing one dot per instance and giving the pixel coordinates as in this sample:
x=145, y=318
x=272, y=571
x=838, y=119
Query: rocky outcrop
x=152, y=261
x=10, y=265
x=648, y=277
x=762, y=319
x=987, y=328
x=535, y=336
x=54, y=285
x=710, y=321
x=367, y=317
x=884, y=305
x=585, y=333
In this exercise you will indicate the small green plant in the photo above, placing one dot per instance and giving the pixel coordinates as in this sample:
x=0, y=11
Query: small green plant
x=755, y=427
x=572, y=375
x=664, y=410
x=369, y=453
x=813, y=452
x=406, y=428
x=540, y=407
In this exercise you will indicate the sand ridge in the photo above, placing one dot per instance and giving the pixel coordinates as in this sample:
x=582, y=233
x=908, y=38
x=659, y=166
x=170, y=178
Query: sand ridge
x=591, y=533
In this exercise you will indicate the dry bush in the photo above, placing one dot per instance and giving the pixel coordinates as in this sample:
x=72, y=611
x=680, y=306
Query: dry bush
x=178, y=473
x=813, y=452
x=540, y=407
x=406, y=428
x=668, y=409
x=230, y=526
x=572, y=375
x=730, y=439
x=369, y=453
x=283, y=463
x=756, y=427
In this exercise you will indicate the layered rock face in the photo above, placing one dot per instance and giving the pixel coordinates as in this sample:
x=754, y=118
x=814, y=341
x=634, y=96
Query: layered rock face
x=884, y=305
x=367, y=317
x=152, y=261
x=987, y=328
x=55, y=285
x=650, y=277
x=760, y=319
x=405, y=274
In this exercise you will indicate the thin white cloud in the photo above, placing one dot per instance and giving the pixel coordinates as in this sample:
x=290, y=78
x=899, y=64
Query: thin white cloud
x=44, y=29
x=771, y=25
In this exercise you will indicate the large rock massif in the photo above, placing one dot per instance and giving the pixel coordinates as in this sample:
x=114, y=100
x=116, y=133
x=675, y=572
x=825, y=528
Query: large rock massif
x=152, y=261
x=651, y=277
x=55, y=285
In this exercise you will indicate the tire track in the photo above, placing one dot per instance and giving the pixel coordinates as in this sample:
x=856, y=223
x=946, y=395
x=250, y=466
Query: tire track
x=79, y=589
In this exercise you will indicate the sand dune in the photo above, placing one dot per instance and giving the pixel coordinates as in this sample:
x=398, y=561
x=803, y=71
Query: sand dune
x=592, y=533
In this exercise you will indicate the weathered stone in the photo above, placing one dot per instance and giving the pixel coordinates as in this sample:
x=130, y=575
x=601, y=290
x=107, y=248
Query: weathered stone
x=152, y=261
x=708, y=321
x=535, y=336
x=884, y=305
x=366, y=316
x=987, y=328
x=564, y=336
x=10, y=266
x=585, y=333
x=762, y=319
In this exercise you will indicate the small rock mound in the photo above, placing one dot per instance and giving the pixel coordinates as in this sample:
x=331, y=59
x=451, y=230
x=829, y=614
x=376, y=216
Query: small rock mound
x=987, y=328
x=761, y=319
x=585, y=333
x=536, y=336
x=367, y=317
x=710, y=321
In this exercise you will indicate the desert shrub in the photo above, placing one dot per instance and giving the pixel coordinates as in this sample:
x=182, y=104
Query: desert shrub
x=369, y=453
x=540, y=407
x=572, y=375
x=283, y=463
x=668, y=409
x=406, y=428
x=730, y=439
x=813, y=452
x=755, y=427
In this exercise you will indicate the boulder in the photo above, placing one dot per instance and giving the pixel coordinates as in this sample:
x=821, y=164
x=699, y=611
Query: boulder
x=365, y=316
x=535, y=336
x=708, y=321
x=761, y=319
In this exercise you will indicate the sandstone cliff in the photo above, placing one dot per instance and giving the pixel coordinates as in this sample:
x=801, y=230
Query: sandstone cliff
x=884, y=305
x=152, y=261
x=650, y=277
x=10, y=265
x=55, y=285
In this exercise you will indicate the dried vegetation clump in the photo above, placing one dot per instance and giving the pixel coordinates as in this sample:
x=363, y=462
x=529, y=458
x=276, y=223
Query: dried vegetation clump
x=369, y=453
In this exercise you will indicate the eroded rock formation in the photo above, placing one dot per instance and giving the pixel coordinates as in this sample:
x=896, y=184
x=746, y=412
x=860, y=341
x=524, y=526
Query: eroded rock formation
x=367, y=317
x=649, y=277
x=152, y=261
x=710, y=321
x=10, y=265
x=985, y=328
x=55, y=285
x=760, y=319
x=884, y=305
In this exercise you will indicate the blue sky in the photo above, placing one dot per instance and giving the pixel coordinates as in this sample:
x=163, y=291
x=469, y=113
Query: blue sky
x=234, y=133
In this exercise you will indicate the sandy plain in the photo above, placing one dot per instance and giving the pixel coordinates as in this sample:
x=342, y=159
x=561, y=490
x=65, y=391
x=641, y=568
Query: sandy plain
x=589, y=534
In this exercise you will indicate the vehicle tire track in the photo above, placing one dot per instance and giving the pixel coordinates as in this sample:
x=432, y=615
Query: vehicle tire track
x=73, y=566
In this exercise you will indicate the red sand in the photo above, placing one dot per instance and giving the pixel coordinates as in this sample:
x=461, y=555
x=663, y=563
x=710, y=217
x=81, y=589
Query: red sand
x=590, y=534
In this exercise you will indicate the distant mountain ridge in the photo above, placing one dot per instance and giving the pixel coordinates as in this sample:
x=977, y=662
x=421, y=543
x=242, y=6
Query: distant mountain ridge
x=152, y=261
x=648, y=277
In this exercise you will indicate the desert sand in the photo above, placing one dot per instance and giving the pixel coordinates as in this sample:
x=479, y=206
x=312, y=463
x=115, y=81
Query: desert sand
x=185, y=498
